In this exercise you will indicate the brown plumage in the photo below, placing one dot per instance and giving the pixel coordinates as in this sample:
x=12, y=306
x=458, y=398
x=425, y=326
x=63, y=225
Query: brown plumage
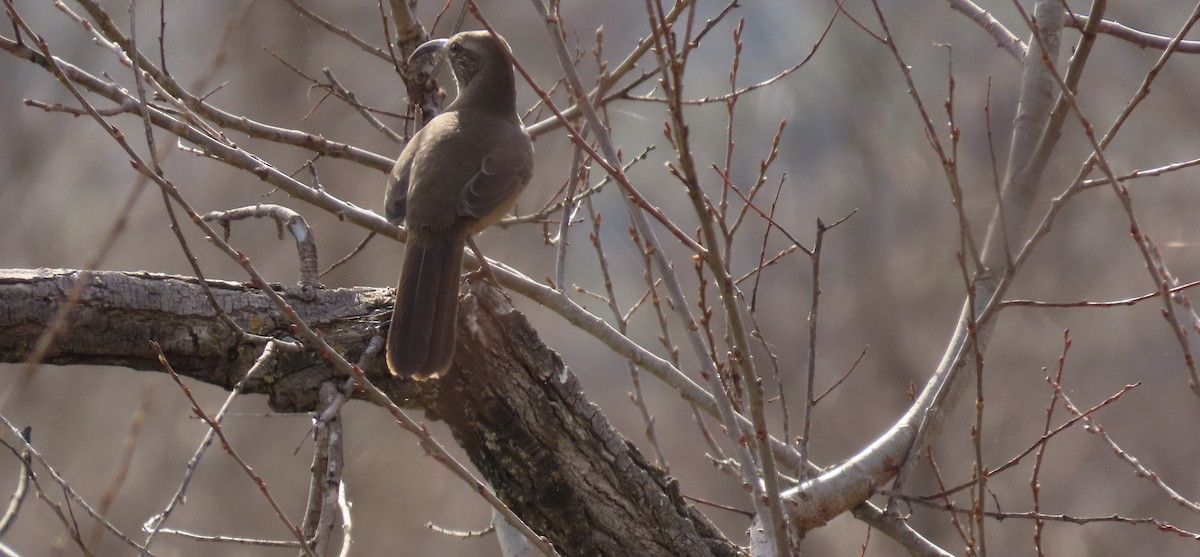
x=456, y=176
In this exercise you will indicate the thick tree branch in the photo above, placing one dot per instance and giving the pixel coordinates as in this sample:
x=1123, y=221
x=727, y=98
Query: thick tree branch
x=521, y=415
x=119, y=313
x=508, y=399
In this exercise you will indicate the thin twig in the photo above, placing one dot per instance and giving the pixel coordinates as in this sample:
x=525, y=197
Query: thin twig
x=1004, y=38
x=1041, y=441
x=68, y=491
x=577, y=173
x=1142, y=173
x=638, y=213
x=285, y=218
x=814, y=301
x=636, y=397
x=220, y=538
x=1134, y=36
x=843, y=378
x=25, y=474
x=339, y=31
x=1157, y=271
x=1102, y=304
x=1071, y=519
x=954, y=520
x=1140, y=470
x=753, y=451
x=558, y=200
x=762, y=250
x=227, y=120
x=739, y=92
x=157, y=522
x=461, y=534
x=215, y=427
x=1034, y=483
x=361, y=108
x=357, y=249
x=326, y=472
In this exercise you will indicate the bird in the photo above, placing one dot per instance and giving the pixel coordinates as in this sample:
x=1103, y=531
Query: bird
x=458, y=174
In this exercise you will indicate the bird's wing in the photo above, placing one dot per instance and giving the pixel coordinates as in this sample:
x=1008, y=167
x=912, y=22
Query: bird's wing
x=395, y=203
x=395, y=200
x=502, y=173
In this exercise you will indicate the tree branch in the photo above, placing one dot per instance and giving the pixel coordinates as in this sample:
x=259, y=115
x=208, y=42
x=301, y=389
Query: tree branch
x=507, y=399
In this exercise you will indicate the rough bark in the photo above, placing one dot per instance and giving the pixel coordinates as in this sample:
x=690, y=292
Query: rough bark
x=119, y=314
x=521, y=415
x=509, y=400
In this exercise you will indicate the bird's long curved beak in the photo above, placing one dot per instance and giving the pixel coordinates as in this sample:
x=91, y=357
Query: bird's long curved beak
x=430, y=47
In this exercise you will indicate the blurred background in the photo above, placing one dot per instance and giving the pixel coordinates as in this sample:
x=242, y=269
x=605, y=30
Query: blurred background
x=854, y=142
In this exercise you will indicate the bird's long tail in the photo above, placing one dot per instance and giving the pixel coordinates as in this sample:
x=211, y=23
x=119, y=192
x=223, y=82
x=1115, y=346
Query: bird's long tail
x=421, y=338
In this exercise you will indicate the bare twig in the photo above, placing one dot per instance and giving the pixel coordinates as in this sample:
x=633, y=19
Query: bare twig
x=220, y=117
x=461, y=534
x=215, y=427
x=810, y=399
x=1004, y=38
x=844, y=377
x=672, y=58
x=739, y=92
x=636, y=397
x=219, y=538
x=899, y=530
x=326, y=472
x=1101, y=304
x=1142, y=173
x=1016, y=47
x=1134, y=36
x=1045, y=438
x=23, y=479
x=1140, y=470
x=578, y=172
x=1157, y=270
x=556, y=205
x=638, y=211
x=357, y=249
x=285, y=218
x=762, y=250
x=68, y=491
x=1071, y=519
x=1034, y=483
x=361, y=108
x=954, y=520
x=339, y=31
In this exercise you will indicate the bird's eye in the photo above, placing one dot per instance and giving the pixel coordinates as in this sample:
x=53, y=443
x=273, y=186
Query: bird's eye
x=456, y=47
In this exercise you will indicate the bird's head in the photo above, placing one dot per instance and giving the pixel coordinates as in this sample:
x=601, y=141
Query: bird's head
x=470, y=54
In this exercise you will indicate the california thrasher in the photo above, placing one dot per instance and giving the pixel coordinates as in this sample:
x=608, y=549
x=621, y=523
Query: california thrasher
x=456, y=176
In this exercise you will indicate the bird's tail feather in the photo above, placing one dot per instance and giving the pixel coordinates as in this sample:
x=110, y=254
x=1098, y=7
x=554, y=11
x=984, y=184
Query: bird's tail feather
x=421, y=338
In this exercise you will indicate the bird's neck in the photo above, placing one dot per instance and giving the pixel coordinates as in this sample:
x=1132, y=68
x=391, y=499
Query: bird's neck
x=492, y=90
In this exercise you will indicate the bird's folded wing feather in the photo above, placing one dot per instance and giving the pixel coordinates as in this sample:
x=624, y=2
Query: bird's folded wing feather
x=502, y=173
x=396, y=199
